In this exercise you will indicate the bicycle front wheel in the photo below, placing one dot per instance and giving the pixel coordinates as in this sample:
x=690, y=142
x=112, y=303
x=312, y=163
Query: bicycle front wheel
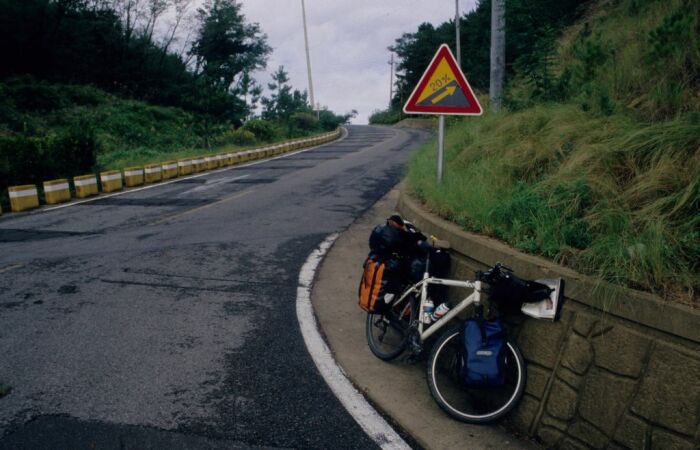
x=387, y=334
x=475, y=405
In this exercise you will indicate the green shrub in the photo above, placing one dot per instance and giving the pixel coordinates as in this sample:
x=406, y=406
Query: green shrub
x=385, y=117
x=328, y=120
x=242, y=137
x=26, y=159
x=262, y=129
x=303, y=121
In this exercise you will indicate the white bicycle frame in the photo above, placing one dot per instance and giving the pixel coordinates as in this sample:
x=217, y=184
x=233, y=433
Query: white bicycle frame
x=473, y=298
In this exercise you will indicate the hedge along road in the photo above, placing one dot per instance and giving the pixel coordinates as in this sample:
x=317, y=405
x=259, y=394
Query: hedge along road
x=165, y=317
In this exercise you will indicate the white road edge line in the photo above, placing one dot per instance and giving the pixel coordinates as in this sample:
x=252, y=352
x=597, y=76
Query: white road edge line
x=344, y=134
x=364, y=414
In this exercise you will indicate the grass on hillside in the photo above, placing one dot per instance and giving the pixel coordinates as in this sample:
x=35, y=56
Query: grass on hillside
x=598, y=164
x=638, y=57
x=605, y=195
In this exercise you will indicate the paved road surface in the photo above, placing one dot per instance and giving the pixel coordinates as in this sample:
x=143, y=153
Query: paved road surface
x=165, y=318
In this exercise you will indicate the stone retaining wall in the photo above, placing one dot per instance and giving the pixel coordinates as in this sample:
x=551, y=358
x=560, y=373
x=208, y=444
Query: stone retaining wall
x=619, y=369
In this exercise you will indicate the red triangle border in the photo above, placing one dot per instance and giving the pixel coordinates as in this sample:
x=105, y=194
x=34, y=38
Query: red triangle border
x=411, y=106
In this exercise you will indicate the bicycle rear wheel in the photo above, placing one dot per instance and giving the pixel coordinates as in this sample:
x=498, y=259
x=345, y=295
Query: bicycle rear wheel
x=387, y=334
x=472, y=404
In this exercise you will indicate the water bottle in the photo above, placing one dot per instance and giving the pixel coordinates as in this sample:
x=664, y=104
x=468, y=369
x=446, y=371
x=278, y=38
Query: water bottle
x=440, y=311
x=427, y=312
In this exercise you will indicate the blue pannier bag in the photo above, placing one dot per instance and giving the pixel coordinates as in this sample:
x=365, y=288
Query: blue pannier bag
x=483, y=343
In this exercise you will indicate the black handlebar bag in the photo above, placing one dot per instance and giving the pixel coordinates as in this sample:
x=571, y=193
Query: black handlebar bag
x=509, y=293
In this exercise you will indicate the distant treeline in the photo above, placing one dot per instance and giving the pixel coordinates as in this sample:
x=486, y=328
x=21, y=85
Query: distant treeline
x=115, y=45
x=112, y=44
x=531, y=29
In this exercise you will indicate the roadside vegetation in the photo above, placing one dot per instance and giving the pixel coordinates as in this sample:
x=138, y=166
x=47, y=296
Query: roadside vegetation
x=595, y=161
x=88, y=85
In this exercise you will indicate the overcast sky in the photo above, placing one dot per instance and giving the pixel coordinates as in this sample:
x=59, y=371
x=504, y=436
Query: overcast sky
x=348, y=42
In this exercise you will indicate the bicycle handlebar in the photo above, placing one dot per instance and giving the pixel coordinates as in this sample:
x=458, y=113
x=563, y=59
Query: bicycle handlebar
x=500, y=272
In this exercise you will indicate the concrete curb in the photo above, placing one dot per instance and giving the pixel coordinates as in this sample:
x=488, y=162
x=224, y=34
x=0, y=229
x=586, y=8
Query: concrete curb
x=398, y=389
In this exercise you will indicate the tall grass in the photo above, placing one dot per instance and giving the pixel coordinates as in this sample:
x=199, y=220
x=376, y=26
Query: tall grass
x=605, y=195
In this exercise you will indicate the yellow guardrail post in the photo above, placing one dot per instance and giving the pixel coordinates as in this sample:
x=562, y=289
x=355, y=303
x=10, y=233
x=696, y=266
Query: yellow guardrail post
x=85, y=185
x=111, y=180
x=56, y=191
x=133, y=176
x=169, y=169
x=185, y=166
x=153, y=173
x=23, y=197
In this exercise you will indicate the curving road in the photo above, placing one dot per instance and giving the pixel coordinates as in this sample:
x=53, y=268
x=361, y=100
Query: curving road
x=165, y=317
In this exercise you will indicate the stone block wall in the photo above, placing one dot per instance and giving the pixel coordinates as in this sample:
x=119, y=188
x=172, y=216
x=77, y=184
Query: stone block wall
x=619, y=369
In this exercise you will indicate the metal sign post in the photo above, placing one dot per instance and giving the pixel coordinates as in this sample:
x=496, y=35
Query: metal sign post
x=441, y=147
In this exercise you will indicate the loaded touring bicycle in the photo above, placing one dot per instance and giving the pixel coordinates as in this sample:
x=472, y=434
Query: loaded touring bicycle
x=474, y=371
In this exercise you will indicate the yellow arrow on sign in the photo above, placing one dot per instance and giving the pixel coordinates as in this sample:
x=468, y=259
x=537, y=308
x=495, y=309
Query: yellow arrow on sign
x=449, y=90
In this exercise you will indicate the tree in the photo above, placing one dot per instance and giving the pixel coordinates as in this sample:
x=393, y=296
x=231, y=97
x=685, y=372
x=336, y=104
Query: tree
x=283, y=101
x=227, y=46
x=415, y=50
x=247, y=86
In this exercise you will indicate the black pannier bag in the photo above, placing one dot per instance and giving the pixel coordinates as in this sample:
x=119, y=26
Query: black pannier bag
x=409, y=247
x=509, y=292
x=386, y=239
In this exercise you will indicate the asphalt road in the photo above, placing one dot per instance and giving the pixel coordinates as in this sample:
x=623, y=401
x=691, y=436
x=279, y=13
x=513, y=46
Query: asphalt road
x=165, y=318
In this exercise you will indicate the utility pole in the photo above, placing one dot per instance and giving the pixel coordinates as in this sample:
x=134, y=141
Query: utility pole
x=457, y=36
x=308, y=59
x=498, y=53
x=391, y=80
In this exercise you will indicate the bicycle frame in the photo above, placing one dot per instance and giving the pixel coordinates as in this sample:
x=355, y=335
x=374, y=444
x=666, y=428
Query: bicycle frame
x=473, y=298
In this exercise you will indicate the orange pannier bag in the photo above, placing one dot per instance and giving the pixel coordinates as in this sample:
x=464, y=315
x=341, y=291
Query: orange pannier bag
x=373, y=285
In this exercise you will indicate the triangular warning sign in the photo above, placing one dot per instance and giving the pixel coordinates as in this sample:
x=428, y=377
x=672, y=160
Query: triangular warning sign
x=443, y=89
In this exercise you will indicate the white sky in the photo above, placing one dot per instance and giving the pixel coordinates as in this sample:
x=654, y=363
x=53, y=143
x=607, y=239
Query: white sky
x=348, y=43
